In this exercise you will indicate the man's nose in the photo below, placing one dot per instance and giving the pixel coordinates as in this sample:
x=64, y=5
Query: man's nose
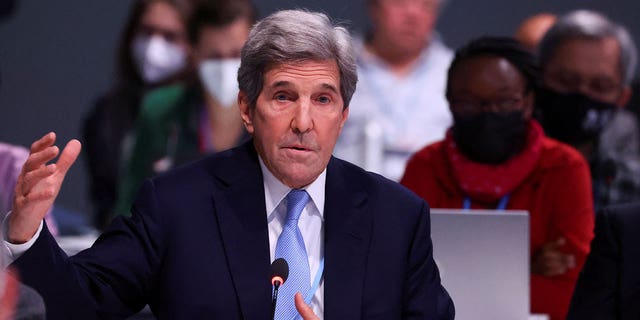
x=302, y=119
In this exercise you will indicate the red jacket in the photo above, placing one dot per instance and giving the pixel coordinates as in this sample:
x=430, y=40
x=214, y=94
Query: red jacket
x=557, y=194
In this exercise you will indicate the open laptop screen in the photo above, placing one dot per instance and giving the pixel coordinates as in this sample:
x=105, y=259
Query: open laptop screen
x=483, y=256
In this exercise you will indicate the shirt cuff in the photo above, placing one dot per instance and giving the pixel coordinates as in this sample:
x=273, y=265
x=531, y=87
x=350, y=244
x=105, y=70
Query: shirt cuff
x=16, y=250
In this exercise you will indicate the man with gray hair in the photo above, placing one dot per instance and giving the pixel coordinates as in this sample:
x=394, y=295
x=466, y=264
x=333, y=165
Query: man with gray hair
x=201, y=238
x=588, y=62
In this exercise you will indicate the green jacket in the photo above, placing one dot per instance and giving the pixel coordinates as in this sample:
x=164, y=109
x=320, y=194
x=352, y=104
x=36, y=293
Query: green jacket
x=166, y=135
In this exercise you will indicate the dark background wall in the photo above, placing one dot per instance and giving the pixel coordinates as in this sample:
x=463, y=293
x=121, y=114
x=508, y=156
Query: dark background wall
x=57, y=56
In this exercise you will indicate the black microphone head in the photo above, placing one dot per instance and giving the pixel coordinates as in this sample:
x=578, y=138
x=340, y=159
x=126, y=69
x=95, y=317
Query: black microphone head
x=279, y=271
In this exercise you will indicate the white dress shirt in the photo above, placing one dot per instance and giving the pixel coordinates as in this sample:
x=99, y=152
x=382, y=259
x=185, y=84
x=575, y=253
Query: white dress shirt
x=311, y=225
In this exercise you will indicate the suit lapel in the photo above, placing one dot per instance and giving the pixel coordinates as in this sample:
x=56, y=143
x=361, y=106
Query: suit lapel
x=241, y=215
x=347, y=236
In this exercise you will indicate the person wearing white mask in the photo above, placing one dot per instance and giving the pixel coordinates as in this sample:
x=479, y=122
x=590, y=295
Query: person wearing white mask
x=159, y=47
x=182, y=122
x=157, y=58
x=153, y=51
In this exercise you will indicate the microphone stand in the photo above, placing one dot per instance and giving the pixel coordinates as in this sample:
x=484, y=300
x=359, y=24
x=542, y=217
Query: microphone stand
x=276, y=286
x=280, y=272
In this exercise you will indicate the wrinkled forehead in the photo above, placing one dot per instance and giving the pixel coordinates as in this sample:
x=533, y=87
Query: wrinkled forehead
x=304, y=70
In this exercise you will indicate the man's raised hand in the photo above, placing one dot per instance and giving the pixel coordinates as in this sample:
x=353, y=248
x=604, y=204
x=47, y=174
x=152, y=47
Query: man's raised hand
x=38, y=185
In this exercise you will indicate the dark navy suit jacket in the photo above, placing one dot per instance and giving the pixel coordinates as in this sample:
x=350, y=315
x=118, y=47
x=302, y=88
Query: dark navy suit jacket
x=197, y=247
x=609, y=284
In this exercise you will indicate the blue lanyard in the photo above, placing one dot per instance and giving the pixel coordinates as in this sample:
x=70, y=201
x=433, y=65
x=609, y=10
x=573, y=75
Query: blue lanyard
x=316, y=282
x=502, y=205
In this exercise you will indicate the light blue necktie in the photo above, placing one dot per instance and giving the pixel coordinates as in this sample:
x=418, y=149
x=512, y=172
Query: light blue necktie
x=290, y=246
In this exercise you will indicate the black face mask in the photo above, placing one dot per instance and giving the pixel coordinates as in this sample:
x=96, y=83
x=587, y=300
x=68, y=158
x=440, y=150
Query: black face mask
x=572, y=118
x=490, y=137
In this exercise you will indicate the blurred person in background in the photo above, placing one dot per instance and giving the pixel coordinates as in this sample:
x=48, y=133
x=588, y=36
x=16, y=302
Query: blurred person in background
x=609, y=284
x=153, y=51
x=495, y=156
x=634, y=102
x=532, y=29
x=587, y=63
x=179, y=123
x=400, y=104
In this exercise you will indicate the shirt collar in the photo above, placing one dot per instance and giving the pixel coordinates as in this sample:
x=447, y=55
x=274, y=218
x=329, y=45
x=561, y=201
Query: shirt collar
x=276, y=191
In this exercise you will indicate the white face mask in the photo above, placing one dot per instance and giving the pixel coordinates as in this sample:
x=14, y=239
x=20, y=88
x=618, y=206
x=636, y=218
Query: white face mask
x=220, y=78
x=157, y=59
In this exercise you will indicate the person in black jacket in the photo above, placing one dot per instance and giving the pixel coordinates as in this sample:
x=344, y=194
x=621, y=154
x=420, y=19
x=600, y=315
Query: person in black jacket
x=155, y=31
x=609, y=284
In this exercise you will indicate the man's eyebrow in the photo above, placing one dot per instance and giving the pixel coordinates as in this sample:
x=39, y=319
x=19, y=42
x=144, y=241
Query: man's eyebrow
x=330, y=87
x=282, y=83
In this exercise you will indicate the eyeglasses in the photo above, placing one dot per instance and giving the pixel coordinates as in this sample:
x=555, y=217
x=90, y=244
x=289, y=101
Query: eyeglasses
x=471, y=106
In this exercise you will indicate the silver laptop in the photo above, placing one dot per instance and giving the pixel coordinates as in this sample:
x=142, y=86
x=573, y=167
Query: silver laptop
x=483, y=256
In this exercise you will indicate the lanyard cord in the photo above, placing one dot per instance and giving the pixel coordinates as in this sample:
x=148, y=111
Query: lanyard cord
x=316, y=282
x=502, y=205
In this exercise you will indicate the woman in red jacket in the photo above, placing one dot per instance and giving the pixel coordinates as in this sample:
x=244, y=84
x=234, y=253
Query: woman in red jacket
x=495, y=156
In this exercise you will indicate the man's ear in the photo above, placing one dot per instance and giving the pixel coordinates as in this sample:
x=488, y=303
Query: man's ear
x=624, y=98
x=246, y=112
x=345, y=115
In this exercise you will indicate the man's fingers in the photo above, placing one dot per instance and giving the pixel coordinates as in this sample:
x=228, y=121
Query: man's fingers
x=67, y=158
x=47, y=140
x=44, y=194
x=39, y=158
x=303, y=308
x=31, y=178
x=69, y=155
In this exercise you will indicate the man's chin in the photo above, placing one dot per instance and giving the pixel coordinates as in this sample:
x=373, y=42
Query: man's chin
x=299, y=175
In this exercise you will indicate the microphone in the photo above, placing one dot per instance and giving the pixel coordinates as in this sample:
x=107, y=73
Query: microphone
x=279, y=274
